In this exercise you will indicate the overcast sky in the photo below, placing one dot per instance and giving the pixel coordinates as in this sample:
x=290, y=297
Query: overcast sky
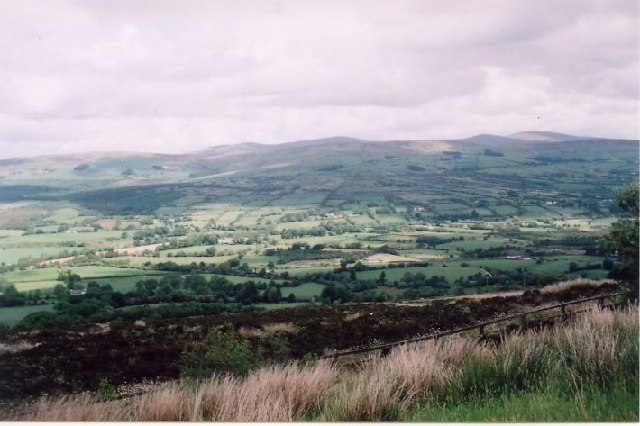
x=176, y=76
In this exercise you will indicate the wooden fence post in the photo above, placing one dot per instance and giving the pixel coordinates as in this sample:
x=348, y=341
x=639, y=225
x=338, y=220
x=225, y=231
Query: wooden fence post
x=601, y=302
x=563, y=307
x=523, y=321
x=482, y=331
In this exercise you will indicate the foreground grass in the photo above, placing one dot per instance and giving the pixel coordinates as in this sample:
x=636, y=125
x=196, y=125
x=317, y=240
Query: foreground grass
x=586, y=370
x=594, y=405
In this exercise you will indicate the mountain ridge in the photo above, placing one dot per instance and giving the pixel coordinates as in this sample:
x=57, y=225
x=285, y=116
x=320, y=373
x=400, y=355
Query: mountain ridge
x=528, y=136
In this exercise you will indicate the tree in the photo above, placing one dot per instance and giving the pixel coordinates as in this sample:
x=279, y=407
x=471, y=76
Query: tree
x=60, y=292
x=11, y=297
x=623, y=238
x=248, y=293
x=72, y=280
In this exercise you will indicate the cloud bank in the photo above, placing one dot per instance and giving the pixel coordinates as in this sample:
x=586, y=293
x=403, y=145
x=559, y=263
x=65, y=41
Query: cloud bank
x=169, y=76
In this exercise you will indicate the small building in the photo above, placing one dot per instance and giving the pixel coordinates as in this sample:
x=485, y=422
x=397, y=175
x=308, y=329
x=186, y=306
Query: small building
x=225, y=241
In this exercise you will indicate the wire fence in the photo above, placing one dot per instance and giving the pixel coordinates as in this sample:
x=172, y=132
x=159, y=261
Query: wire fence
x=521, y=321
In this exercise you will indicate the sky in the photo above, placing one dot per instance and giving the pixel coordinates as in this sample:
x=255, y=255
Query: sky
x=178, y=76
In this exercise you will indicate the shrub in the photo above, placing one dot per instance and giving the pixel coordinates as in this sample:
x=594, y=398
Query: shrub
x=105, y=389
x=220, y=352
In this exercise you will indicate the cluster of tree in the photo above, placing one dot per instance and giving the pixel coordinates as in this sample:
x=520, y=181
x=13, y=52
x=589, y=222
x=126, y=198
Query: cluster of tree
x=149, y=235
x=488, y=253
x=12, y=297
x=229, y=267
x=294, y=217
x=623, y=238
x=491, y=153
x=339, y=228
x=208, y=252
x=454, y=217
x=288, y=234
x=340, y=293
x=198, y=240
x=419, y=280
x=92, y=311
x=433, y=241
x=574, y=267
x=176, y=295
x=572, y=240
x=418, y=293
x=215, y=289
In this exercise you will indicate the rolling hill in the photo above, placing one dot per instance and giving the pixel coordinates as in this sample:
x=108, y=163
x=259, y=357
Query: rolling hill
x=534, y=167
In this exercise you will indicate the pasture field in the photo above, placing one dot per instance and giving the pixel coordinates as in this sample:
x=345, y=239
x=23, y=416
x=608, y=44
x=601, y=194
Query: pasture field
x=89, y=238
x=143, y=262
x=461, y=212
x=451, y=273
x=469, y=244
x=13, y=315
x=276, y=306
x=46, y=278
x=239, y=279
x=187, y=250
x=307, y=224
x=305, y=270
x=363, y=219
x=122, y=284
x=304, y=290
x=551, y=266
x=11, y=256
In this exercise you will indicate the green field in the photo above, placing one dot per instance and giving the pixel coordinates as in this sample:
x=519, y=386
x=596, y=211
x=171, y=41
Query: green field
x=13, y=315
x=451, y=273
x=274, y=306
x=12, y=255
x=45, y=278
x=549, y=202
x=303, y=290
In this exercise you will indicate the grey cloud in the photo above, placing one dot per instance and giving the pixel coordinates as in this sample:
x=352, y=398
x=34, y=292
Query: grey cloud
x=169, y=76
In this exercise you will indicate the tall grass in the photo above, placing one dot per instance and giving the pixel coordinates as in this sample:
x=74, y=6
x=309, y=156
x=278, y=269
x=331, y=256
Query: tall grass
x=576, y=282
x=574, y=368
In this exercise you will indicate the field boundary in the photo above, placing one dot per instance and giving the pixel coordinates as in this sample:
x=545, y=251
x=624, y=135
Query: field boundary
x=524, y=319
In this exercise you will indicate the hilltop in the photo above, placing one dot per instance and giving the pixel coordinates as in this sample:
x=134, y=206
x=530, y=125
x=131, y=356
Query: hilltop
x=413, y=171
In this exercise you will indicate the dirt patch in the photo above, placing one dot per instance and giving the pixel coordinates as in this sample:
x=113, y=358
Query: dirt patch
x=107, y=224
x=388, y=258
x=137, y=251
x=315, y=262
x=60, y=261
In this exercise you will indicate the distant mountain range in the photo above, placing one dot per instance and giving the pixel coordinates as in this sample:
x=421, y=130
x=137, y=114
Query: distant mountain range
x=335, y=142
x=409, y=169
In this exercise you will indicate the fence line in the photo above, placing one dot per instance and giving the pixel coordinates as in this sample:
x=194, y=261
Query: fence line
x=481, y=326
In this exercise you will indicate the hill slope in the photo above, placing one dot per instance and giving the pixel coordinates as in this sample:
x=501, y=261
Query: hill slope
x=480, y=169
